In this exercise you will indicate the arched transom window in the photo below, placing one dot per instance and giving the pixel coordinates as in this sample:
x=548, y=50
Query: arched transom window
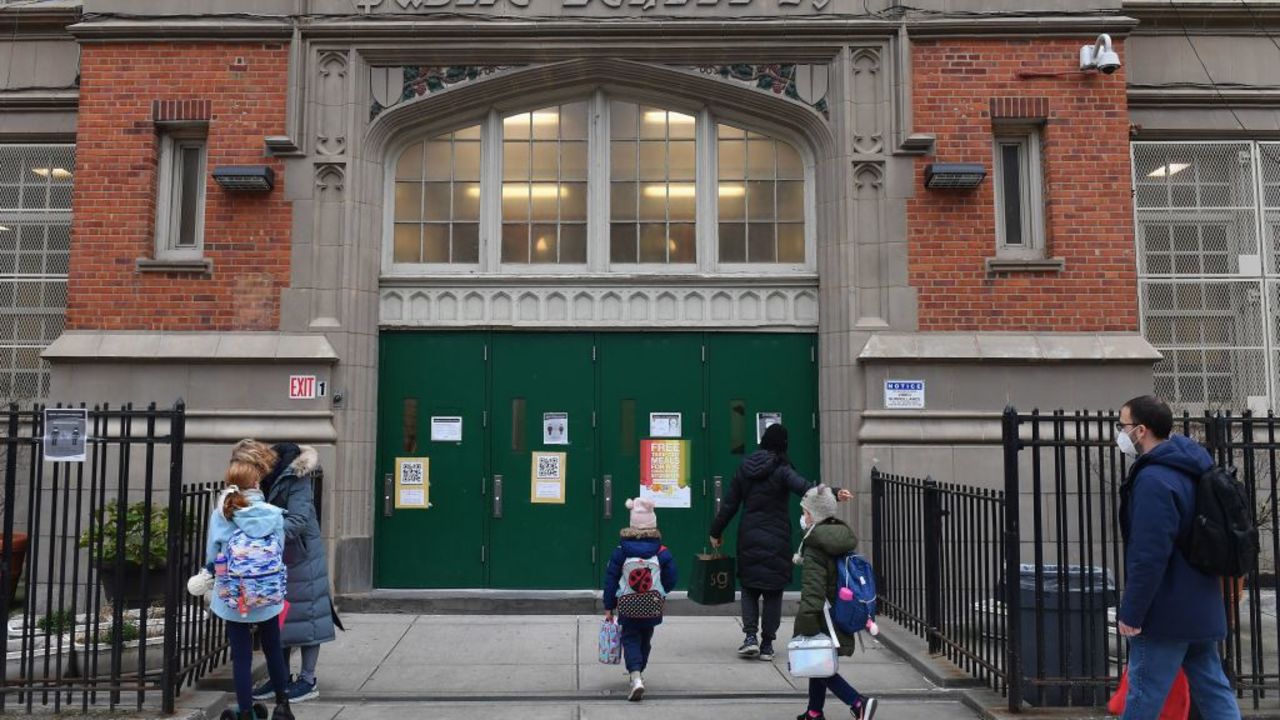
x=601, y=184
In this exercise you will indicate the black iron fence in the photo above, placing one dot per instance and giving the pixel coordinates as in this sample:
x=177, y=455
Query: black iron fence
x=1019, y=584
x=94, y=564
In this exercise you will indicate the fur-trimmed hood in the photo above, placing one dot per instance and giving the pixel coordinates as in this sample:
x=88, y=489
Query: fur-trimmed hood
x=306, y=462
x=630, y=533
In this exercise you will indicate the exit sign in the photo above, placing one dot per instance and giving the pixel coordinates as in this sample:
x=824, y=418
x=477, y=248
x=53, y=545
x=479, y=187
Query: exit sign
x=306, y=387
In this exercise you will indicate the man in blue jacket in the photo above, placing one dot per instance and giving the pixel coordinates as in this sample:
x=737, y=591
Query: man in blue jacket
x=1172, y=613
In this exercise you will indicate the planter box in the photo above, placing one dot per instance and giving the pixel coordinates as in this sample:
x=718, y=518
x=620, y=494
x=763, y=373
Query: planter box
x=19, y=560
x=61, y=652
x=130, y=656
x=129, y=584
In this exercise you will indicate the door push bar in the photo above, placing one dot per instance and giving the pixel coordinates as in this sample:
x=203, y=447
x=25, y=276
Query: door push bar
x=497, y=496
x=608, y=497
x=719, y=490
x=388, y=490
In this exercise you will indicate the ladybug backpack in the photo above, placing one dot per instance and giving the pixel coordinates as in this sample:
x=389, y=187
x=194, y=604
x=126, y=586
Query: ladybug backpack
x=640, y=592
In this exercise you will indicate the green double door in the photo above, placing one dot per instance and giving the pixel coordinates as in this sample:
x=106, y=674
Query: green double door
x=596, y=398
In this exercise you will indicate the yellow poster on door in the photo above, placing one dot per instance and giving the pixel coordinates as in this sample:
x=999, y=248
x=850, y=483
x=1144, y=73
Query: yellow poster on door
x=547, y=478
x=413, y=483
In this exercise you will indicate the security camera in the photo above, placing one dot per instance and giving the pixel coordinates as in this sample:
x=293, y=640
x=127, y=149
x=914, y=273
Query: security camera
x=1100, y=56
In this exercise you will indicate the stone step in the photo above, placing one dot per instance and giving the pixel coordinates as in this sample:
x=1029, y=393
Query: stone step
x=522, y=602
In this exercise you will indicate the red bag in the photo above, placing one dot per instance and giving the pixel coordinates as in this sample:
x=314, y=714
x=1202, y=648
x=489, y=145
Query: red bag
x=284, y=613
x=1176, y=707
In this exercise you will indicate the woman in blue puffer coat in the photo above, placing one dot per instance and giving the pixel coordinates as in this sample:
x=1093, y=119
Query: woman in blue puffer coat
x=310, y=621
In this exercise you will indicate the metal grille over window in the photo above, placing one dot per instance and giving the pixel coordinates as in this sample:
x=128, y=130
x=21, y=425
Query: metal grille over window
x=1207, y=285
x=544, y=186
x=35, y=246
x=760, y=199
x=653, y=163
x=437, y=205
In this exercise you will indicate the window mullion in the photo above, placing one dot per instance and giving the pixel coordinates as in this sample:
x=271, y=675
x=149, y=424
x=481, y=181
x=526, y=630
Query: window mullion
x=598, y=184
x=706, y=191
x=491, y=193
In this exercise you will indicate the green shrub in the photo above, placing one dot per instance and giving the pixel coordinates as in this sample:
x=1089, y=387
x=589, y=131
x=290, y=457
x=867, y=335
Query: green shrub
x=135, y=526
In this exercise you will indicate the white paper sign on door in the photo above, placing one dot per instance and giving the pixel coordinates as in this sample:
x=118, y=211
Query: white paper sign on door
x=446, y=429
x=664, y=424
x=764, y=420
x=555, y=428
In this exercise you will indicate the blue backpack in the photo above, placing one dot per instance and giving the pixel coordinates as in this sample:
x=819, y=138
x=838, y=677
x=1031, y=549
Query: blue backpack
x=851, y=614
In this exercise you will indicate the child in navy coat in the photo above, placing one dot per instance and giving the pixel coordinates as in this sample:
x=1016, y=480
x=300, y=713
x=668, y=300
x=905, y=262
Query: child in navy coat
x=639, y=553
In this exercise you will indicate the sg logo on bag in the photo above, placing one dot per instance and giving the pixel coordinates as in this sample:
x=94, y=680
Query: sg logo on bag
x=720, y=580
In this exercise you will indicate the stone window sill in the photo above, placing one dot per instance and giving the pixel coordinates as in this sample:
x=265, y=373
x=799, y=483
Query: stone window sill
x=202, y=266
x=1003, y=266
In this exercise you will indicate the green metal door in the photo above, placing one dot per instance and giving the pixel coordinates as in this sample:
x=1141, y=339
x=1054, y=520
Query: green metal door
x=422, y=376
x=652, y=386
x=750, y=375
x=541, y=545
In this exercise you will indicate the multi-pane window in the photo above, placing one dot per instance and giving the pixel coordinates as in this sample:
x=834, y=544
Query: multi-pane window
x=600, y=184
x=653, y=174
x=760, y=198
x=544, y=186
x=437, y=205
x=1207, y=285
x=35, y=246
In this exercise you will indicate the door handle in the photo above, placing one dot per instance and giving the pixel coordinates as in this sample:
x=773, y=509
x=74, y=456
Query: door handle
x=608, y=497
x=497, y=496
x=388, y=490
x=718, y=482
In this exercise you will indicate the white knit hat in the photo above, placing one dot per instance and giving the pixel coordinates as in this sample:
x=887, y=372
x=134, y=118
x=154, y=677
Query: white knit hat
x=820, y=502
x=642, y=514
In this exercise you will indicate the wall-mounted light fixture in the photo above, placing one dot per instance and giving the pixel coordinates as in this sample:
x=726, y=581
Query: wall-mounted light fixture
x=1099, y=56
x=253, y=178
x=954, y=176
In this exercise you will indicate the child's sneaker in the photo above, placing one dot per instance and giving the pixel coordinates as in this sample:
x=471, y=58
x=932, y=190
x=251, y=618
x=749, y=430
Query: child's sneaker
x=637, y=689
x=806, y=716
x=766, y=650
x=300, y=690
x=864, y=708
x=749, y=648
x=267, y=691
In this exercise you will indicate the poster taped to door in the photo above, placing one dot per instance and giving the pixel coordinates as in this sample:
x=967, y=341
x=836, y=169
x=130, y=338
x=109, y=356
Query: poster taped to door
x=413, y=483
x=664, y=424
x=764, y=420
x=547, y=478
x=446, y=429
x=664, y=473
x=555, y=428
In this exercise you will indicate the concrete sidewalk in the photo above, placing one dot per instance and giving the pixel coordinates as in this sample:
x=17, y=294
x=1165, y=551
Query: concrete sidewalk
x=447, y=666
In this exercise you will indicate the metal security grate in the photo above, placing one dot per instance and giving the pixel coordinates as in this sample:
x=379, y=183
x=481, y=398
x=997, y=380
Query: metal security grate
x=1207, y=283
x=35, y=246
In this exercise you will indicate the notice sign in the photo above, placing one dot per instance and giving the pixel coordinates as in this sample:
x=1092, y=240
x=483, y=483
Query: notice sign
x=306, y=387
x=764, y=420
x=664, y=424
x=413, y=483
x=664, y=473
x=547, y=476
x=65, y=431
x=555, y=428
x=446, y=429
x=903, y=394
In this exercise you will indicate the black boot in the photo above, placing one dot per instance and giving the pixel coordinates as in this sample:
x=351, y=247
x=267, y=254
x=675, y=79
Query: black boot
x=230, y=714
x=282, y=711
x=260, y=711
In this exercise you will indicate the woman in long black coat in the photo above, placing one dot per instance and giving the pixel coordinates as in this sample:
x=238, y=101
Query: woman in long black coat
x=761, y=486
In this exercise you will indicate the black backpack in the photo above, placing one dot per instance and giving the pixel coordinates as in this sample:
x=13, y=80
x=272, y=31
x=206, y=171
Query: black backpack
x=1223, y=540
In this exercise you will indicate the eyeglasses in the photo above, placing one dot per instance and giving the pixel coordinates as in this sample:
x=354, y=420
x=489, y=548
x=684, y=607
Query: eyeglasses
x=1121, y=426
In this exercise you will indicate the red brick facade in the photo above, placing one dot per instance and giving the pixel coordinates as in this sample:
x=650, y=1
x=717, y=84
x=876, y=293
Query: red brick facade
x=123, y=89
x=1088, y=206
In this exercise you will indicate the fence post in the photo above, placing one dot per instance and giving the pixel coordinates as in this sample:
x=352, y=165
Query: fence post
x=1012, y=559
x=877, y=528
x=169, y=677
x=933, y=564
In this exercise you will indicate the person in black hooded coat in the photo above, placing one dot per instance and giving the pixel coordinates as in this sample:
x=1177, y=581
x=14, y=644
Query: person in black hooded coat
x=760, y=487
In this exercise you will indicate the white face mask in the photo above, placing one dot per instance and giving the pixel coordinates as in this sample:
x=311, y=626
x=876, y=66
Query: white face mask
x=1126, y=444
x=804, y=521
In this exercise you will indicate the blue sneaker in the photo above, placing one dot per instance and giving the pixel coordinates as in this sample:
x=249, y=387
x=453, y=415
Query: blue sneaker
x=300, y=691
x=265, y=691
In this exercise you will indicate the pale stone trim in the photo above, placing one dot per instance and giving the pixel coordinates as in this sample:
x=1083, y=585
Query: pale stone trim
x=689, y=304
x=143, y=346
x=1009, y=348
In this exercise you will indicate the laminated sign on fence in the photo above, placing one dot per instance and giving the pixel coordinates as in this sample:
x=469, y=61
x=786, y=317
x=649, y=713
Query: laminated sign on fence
x=65, y=430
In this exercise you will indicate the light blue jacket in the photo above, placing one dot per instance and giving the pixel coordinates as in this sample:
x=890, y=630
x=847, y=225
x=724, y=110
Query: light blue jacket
x=259, y=520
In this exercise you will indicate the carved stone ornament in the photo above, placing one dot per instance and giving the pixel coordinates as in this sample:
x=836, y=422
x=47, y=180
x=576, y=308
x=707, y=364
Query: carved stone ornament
x=805, y=84
x=330, y=176
x=549, y=305
x=391, y=86
x=331, y=93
